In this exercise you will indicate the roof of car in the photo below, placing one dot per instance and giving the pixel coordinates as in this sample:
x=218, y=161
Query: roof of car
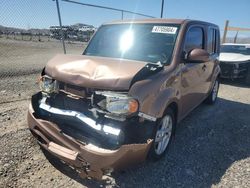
x=154, y=20
x=151, y=20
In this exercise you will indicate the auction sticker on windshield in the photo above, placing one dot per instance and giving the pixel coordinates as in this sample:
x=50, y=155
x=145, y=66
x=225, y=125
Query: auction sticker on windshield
x=164, y=29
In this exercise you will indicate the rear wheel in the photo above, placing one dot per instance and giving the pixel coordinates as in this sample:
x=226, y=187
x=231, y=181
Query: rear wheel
x=211, y=99
x=162, y=135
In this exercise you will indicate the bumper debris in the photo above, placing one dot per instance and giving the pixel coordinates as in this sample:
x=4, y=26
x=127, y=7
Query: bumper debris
x=88, y=160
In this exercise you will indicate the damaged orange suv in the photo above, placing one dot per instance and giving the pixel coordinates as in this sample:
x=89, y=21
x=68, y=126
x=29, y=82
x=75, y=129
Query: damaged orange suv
x=119, y=102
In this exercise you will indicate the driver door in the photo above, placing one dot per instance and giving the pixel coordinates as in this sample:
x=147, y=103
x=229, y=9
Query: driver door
x=193, y=73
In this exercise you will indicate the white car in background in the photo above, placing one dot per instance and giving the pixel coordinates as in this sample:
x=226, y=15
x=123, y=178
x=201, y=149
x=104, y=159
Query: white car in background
x=235, y=61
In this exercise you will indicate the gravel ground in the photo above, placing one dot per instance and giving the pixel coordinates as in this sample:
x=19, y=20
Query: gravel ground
x=210, y=149
x=25, y=57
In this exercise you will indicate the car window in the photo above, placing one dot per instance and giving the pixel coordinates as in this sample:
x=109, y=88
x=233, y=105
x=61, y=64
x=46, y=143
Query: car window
x=143, y=42
x=194, y=39
x=211, y=43
x=217, y=41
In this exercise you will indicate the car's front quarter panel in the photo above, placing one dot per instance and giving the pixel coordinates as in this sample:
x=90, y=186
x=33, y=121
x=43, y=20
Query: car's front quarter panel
x=156, y=93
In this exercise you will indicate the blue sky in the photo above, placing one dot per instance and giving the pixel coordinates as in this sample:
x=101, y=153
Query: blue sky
x=42, y=13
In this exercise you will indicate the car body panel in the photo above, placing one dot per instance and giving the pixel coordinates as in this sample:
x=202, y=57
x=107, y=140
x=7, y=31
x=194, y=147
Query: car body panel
x=234, y=57
x=95, y=72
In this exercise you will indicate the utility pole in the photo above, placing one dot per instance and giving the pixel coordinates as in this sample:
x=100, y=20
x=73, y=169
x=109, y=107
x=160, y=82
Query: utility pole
x=60, y=23
x=162, y=7
x=235, y=38
x=122, y=14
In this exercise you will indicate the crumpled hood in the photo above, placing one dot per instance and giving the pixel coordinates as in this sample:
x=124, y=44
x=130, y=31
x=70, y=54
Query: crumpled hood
x=233, y=57
x=94, y=72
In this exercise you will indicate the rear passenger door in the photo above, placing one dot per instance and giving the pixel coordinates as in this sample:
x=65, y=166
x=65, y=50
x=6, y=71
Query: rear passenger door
x=192, y=74
x=213, y=50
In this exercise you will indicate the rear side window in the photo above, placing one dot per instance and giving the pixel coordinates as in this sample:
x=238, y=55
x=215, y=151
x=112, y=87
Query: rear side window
x=217, y=41
x=194, y=39
x=212, y=41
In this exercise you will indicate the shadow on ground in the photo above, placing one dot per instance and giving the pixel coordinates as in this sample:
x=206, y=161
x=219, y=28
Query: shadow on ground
x=236, y=82
x=206, y=144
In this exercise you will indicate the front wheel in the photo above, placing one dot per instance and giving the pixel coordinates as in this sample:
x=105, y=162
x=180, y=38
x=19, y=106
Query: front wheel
x=162, y=135
x=211, y=99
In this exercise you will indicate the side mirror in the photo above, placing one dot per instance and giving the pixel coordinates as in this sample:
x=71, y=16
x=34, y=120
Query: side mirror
x=198, y=55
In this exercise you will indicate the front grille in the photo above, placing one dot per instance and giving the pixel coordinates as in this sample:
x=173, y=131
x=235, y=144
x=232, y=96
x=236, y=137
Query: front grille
x=76, y=90
x=64, y=101
x=244, y=65
x=226, y=64
x=226, y=68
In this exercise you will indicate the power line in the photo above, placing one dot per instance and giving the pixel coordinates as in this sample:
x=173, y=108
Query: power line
x=109, y=8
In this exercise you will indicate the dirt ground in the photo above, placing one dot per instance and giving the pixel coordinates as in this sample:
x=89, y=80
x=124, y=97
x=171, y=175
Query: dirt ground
x=26, y=57
x=211, y=147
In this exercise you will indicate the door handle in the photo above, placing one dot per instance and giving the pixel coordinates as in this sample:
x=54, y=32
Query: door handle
x=204, y=67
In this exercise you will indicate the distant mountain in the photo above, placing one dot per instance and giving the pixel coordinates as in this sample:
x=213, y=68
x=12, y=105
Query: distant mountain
x=10, y=29
x=243, y=40
x=18, y=30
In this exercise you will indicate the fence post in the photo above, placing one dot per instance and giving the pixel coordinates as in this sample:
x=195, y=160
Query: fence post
x=235, y=38
x=122, y=14
x=162, y=7
x=225, y=32
x=60, y=23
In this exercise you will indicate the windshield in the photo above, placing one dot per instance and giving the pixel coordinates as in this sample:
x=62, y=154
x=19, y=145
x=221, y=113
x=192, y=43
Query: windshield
x=240, y=49
x=142, y=42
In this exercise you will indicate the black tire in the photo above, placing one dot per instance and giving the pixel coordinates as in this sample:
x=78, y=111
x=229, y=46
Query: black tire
x=212, y=97
x=153, y=155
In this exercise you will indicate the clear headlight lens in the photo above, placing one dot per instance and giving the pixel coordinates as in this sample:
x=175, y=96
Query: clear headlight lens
x=116, y=103
x=121, y=106
x=48, y=85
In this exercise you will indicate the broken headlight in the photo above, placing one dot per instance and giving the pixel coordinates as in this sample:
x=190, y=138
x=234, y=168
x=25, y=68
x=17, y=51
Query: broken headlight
x=48, y=85
x=116, y=103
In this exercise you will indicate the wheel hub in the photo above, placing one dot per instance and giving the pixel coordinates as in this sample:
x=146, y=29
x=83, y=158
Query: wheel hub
x=163, y=134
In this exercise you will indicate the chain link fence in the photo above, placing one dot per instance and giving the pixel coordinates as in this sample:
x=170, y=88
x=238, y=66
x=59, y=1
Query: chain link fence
x=30, y=35
x=237, y=37
x=27, y=41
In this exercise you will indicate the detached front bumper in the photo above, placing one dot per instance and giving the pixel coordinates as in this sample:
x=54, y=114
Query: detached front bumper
x=88, y=160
